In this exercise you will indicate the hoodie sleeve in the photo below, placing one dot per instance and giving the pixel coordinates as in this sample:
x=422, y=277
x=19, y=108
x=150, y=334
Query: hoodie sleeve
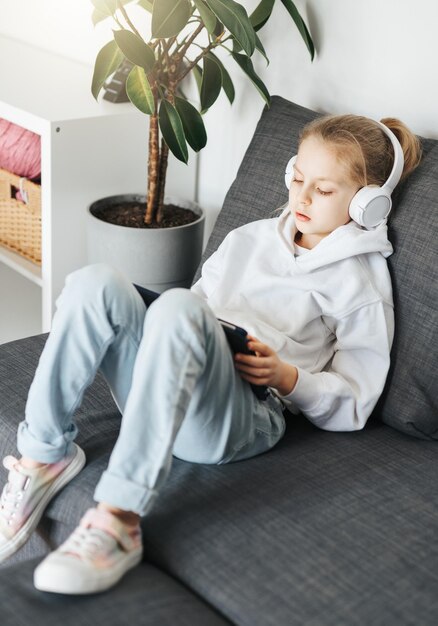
x=342, y=397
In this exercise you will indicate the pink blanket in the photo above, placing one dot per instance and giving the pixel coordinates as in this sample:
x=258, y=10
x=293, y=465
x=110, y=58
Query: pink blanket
x=20, y=150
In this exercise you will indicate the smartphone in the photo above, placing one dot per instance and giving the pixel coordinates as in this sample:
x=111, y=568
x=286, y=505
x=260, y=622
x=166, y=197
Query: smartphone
x=237, y=338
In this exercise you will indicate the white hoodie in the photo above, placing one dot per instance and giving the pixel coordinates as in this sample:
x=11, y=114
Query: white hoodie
x=328, y=311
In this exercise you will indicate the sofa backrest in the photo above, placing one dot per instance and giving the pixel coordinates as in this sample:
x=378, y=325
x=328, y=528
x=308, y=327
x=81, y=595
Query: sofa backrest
x=410, y=398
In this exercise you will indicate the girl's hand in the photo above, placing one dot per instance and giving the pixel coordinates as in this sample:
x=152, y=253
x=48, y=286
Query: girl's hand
x=266, y=368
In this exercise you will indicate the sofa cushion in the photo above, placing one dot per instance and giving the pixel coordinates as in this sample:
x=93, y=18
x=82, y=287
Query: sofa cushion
x=145, y=597
x=410, y=399
x=327, y=528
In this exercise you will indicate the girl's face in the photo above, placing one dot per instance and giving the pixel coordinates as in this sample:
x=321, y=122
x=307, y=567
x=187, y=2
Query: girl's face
x=321, y=191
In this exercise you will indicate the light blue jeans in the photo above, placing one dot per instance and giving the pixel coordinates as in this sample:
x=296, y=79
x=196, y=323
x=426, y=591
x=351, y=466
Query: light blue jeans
x=171, y=373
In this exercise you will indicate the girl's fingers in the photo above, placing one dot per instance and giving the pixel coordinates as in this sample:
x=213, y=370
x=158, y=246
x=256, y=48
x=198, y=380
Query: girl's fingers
x=259, y=347
x=255, y=381
x=248, y=359
x=256, y=345
x=253, y=371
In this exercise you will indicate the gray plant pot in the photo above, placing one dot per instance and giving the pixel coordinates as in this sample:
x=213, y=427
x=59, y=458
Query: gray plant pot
x=154, y=258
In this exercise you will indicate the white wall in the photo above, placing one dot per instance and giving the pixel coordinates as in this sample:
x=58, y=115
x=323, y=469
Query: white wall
x=376, y=57
x=61, y=26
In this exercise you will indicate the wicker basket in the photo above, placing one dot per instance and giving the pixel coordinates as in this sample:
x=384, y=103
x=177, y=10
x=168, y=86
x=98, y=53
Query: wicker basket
x=20, y=221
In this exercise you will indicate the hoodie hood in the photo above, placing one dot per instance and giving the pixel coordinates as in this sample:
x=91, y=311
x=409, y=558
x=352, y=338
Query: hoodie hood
x=346, y=241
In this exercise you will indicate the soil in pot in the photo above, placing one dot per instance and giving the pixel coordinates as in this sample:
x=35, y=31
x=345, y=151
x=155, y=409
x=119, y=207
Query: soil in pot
x=132, y=214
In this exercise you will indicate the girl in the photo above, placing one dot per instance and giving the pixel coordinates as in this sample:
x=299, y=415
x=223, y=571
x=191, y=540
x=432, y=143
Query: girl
x=313, y=289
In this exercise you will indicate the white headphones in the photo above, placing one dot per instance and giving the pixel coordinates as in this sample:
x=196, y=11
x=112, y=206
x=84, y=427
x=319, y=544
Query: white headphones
x=371, y=205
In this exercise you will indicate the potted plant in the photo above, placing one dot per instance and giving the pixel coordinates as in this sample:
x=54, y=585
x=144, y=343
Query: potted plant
x=185, y=36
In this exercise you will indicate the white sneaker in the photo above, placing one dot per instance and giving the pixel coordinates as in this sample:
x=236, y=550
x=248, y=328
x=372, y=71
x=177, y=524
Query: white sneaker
x=94, y=558
x=26, y=495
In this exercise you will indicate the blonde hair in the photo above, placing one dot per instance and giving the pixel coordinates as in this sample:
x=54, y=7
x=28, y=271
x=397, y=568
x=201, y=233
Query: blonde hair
x=363, y=147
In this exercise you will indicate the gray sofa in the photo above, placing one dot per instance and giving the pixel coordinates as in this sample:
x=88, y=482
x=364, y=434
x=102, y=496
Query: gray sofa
x=326, y=529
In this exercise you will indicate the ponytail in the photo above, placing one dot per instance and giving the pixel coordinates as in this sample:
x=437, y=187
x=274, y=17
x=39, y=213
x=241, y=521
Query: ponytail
x=409, y=142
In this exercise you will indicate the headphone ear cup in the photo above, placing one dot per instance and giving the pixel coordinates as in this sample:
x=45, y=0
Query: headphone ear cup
x=370, y=206
x=289, y=173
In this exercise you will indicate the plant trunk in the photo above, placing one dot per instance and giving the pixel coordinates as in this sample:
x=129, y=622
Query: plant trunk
x=164, y=154
x=153, y=171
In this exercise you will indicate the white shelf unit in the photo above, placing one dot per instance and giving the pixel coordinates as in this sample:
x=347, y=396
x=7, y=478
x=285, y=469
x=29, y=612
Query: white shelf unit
x=89, y=150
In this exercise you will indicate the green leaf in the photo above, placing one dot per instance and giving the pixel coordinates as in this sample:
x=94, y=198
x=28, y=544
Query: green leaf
x=227, y=83
x=107, y=61
x=194, y=129
x=135, y=49
x=197, y=73
x=302, y=28
x=139, y=90
x=98, y=16
x=211, y=82
x=219, y=29
x=246, y=65
x=261, y=14
x=207, y=16
x=105, y=6
x=172, y=130
x=236, y=46
x=261, y=49
x=169, y=17
x=235, y=18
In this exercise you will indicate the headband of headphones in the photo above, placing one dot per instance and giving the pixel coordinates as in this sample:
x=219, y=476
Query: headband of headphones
x=399, y=160
x=371, y=205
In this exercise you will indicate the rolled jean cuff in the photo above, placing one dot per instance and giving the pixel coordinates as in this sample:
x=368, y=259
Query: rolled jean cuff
x=44, y=451
x=124, y=494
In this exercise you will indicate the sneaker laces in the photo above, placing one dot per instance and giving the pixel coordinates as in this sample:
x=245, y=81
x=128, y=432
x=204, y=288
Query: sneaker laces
x=87, y=543
x=98, y=534
x=13, y=492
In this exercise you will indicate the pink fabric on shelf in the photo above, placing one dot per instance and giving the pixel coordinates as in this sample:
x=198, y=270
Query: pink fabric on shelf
x=20, y=150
